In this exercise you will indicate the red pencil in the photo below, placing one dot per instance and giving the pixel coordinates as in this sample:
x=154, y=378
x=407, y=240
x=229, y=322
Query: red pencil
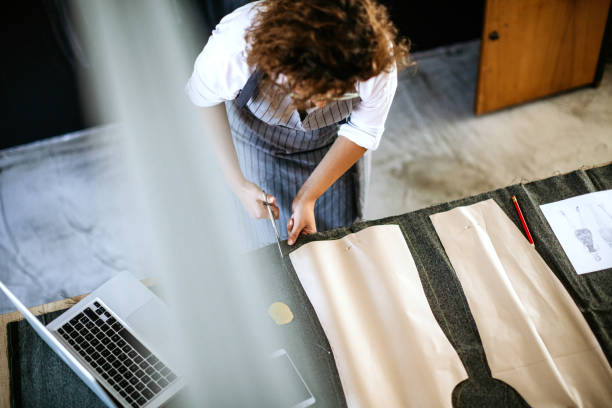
x=520, y=214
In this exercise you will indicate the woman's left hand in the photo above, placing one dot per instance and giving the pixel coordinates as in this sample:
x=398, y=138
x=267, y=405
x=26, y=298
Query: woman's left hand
x=302, y=220
x=340, y=157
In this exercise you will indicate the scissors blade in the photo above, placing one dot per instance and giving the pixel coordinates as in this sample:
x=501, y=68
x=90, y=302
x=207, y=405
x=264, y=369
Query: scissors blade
x=275, y=229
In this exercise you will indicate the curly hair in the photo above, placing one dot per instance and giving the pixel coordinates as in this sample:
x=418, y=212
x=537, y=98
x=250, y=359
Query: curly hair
x=322, y=47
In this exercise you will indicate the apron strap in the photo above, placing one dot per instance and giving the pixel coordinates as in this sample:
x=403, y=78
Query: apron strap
x=249, y=88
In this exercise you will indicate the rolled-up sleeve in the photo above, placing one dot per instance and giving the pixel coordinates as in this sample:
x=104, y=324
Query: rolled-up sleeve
x=366, y=123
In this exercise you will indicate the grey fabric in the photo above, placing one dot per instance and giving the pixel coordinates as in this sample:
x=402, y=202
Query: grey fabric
x=278, y=150
x=39, y=378
x=304, y=338
x=592, y=292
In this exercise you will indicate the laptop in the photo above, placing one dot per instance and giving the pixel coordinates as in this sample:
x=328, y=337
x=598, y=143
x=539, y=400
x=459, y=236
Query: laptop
x=116, y=341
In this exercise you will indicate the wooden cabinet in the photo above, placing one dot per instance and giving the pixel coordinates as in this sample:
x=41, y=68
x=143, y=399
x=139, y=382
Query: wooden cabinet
x=534, y=48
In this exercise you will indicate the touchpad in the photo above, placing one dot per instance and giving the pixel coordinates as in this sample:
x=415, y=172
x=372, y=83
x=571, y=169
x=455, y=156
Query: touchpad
x=153, y=324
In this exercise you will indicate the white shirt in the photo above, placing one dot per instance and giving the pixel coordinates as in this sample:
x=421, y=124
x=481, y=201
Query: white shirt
x=221, y=71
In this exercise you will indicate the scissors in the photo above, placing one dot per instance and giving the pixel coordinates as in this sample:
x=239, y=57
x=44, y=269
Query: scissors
x=273, y=221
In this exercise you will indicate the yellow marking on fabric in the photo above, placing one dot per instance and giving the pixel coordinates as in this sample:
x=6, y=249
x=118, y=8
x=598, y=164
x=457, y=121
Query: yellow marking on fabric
x=280, y=313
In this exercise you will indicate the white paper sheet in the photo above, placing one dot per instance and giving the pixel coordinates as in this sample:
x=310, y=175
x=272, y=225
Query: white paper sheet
x=583, y=226
x=388, y=347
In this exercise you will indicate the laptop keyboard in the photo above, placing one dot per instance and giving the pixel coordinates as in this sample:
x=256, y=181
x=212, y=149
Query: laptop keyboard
x=124, y=362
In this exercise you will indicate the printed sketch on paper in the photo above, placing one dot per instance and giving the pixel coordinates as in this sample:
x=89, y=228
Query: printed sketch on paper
x=583, y=226
x=605, y=224
x=583, y=234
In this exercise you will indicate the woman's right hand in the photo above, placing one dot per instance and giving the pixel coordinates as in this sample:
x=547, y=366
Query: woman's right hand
x=252, y=198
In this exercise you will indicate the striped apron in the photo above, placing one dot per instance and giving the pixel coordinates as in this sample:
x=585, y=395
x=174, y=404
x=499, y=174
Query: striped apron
x=278, y=152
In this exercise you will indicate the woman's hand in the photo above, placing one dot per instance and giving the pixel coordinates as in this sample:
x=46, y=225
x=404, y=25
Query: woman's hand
x=302, y=220
x=340, y=157
x=253, y=199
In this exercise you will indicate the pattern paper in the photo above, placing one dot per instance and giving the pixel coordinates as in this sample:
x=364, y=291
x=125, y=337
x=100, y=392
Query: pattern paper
x=388, y=347
x=533, y=334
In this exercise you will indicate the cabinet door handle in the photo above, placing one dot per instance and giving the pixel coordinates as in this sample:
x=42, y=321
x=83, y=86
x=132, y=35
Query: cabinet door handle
x=493, y=35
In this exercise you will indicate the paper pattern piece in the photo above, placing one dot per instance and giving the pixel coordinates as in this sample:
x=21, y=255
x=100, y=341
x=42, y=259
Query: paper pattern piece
x=533, y=334
x=388, y=347
x=583, y=226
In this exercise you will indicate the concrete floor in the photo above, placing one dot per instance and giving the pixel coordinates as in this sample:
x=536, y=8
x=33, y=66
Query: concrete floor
x=59, y=229
x=435, y=149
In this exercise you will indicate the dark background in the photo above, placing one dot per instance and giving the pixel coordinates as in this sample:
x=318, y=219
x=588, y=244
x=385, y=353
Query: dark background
x=41, y=60
x=39, y=81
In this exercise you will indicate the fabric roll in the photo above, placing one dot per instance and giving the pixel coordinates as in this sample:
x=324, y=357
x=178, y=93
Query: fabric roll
x=388, y=347
x=533, y=334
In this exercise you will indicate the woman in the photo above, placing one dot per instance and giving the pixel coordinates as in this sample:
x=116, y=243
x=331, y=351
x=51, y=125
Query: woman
x=308, y=86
